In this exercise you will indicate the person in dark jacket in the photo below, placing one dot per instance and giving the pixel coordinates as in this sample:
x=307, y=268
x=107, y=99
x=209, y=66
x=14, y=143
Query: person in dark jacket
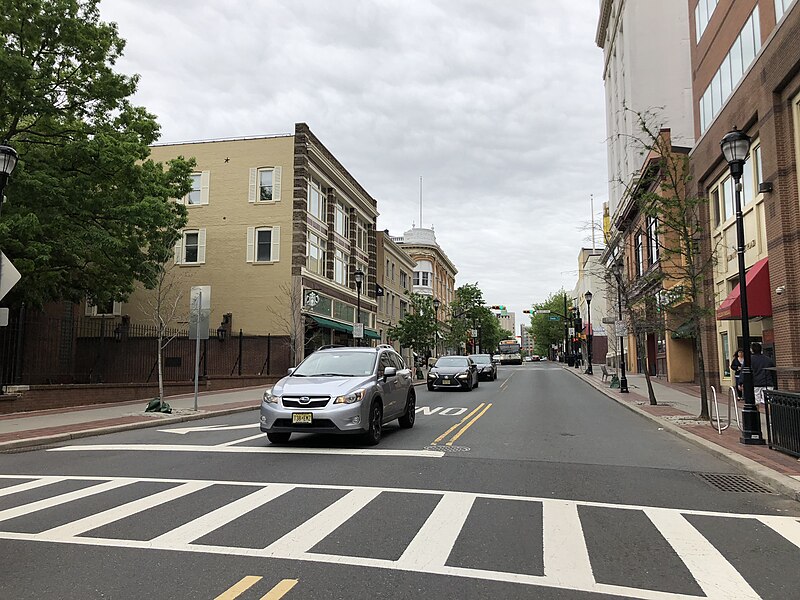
x=762, y=378
x=736, y=368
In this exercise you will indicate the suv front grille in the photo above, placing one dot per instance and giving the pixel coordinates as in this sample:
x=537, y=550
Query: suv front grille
x=314, y=402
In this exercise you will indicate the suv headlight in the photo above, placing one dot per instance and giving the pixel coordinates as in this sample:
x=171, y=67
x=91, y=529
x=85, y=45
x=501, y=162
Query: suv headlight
x=271, y=398
x=462, y=375
x=352, y=397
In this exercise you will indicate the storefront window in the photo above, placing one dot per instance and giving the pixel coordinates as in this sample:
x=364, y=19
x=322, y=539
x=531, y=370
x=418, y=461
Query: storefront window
x=726, y=354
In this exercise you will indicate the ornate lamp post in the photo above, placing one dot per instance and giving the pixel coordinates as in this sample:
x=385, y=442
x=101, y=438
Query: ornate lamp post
x=358, y=277
x=735, y=147
x=8, y=160
x=588, y=296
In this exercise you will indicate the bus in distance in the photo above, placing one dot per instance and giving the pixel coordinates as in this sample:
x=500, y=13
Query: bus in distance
x=509, y=351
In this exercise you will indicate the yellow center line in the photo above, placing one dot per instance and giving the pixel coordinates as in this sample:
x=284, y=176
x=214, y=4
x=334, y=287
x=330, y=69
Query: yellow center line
x=279, y=590
x=468, y=425
x=235, y=590
x=461, y=422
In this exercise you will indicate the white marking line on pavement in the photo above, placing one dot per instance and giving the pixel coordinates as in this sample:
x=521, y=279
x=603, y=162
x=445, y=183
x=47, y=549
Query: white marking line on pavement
x=718, y=579
x=248, y=450
x=128, y=509
x=258, y=436
x=790, y=530
x=566, y=558
x=29, y=485
x=301, y=539
x=205, y=524
x=435, y=540
x=18, y=511
x=185, y=430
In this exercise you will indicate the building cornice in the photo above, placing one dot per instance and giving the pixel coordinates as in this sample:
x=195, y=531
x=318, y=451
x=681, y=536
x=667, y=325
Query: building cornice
x=602, y=23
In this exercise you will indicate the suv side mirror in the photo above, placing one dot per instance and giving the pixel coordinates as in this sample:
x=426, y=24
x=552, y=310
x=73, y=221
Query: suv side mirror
x=290, y=371
x=389, y=372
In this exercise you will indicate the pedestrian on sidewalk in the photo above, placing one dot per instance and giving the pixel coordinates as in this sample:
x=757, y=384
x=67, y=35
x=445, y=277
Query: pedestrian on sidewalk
x=763, y=378
x=736, y=367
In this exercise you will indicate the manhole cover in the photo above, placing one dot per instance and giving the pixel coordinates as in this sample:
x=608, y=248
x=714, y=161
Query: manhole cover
x=452, y=449
x=733, y=483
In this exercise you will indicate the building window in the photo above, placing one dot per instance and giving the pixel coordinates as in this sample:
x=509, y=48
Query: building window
x=103, y=309
x=265, y=184
x=780, y=7
x=730, y=72
x=191, y=248
x=403, y=280
x=726, y=354
x=652, y=240
x=403, y=308
x=263, y=244
x=315, y=254
x=341, y=221
x=361, y=236
x=316, y=200
x=702, y=15
x=639, y=258
x=340, y=262
x=199, y=194
x=723, y=193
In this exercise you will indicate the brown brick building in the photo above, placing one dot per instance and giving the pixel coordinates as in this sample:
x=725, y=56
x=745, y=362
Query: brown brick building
x=746, y=73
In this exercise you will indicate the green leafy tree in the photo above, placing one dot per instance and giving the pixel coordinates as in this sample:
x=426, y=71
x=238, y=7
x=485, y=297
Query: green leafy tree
x=418, y=328
x=88, y=212
x=546, y=331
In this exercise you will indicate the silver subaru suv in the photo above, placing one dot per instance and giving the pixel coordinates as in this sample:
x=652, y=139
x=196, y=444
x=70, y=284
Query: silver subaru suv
x=341, y=390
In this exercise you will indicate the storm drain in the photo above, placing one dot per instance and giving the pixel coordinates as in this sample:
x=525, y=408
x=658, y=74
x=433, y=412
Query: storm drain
x=733, y=483
x=448, y=449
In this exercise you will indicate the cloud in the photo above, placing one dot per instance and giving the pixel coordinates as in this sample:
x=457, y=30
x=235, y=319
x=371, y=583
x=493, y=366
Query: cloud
x=498, y=105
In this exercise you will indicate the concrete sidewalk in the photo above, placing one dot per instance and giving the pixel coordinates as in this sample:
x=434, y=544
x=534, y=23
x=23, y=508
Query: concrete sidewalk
x=677, y=410
x=36, y=428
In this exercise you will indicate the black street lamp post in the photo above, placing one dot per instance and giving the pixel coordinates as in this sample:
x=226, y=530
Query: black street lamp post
x=436, y=304
x=588, y=296
x=358, y=276
x=623, y=380
x=735, y=147
x=8, y=160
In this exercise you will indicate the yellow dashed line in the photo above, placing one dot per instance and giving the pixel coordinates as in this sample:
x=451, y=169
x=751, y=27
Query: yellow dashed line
x=468, y=425
x=244, y=584
x=457, y=425
x=279, y=590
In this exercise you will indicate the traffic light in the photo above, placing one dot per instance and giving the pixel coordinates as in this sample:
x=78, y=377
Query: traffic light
x=497, y=307
x=578, y=324
x=527, y=311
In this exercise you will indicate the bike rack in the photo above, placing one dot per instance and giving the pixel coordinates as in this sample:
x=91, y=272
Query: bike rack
x=731, y=406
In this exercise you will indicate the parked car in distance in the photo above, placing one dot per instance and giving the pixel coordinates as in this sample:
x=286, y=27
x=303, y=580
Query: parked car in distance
x=527, y=359
x=341, y=390
x=495, y=358
x=486, y=368
x=453, y=372
x=536, y=358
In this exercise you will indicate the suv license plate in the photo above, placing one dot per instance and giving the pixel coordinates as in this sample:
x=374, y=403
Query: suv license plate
x=301, y=418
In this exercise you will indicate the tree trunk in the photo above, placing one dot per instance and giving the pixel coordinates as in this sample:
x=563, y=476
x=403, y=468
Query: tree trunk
x=642, y=353
x=160, y=364
x=701, y=365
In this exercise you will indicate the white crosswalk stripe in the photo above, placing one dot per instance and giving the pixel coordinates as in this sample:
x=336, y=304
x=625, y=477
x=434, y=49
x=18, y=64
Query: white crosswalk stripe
x=566, y=557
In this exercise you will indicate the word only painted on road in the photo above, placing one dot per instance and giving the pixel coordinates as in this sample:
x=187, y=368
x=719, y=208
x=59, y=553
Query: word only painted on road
x=449, y=411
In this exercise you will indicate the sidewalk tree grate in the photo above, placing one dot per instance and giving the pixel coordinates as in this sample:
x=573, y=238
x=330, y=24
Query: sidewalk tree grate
x=733, y=483
x=448, y=449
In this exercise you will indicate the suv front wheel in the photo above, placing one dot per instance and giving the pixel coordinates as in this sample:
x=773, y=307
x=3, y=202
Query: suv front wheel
x=407, y=420
x=375, y=431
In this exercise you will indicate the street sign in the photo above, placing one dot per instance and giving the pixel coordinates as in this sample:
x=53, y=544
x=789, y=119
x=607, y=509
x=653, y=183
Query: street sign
x=199, y=312
x=9, y=276
x=543, y=311
x=571, y=331
x=474, y=332
x=3, y=317
x=554, y=318
x=620, y=328
x=358, y=330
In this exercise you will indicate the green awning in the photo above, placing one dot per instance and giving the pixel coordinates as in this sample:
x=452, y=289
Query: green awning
x=331, y=324
x=684, y=331
x=373, y=335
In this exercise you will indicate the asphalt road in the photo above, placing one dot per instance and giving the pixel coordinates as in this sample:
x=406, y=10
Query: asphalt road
x=531, y=486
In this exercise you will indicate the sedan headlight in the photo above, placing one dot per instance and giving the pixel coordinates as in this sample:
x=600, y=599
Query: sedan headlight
x=462, y=375
x=271, y=398
x=352, y=397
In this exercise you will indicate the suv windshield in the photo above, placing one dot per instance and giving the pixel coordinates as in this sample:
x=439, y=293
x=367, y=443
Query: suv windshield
x=481, y=359
x=332, y=364
x=452, y=361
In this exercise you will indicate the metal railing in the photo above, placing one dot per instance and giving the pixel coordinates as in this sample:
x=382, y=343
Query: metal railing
x=783, y=421
x=715, y=416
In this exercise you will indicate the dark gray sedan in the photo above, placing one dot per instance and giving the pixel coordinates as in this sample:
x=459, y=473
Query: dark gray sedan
x=453, y=372
x=486, y=368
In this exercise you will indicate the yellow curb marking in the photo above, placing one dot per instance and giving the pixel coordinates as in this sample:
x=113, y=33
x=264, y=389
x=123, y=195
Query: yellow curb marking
x=245, y=583
x=279, y=590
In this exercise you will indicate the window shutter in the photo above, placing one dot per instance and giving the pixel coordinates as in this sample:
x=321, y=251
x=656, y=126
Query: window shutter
x=251, y=244
x=275, y=251
x=117, y=308
x=205, y=178
x=253, y=185
x=201, y=245
x=179, y=250
x=276, y=184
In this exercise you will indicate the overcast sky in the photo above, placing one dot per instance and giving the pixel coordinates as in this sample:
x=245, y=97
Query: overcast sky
x=497, y=104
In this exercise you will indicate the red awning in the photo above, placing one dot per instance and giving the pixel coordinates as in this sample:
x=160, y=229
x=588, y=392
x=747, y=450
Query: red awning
x=759, y=301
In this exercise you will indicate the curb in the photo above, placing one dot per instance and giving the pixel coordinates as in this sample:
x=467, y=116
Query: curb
x=74, y=435
x=778, y=482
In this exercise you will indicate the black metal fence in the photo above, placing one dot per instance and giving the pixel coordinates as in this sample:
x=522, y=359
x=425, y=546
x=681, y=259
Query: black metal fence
x=783, y=421
x=37, y=349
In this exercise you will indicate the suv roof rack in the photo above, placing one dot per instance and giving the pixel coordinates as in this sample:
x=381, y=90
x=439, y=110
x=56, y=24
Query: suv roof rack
x=328, y=346
x=385, y=346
